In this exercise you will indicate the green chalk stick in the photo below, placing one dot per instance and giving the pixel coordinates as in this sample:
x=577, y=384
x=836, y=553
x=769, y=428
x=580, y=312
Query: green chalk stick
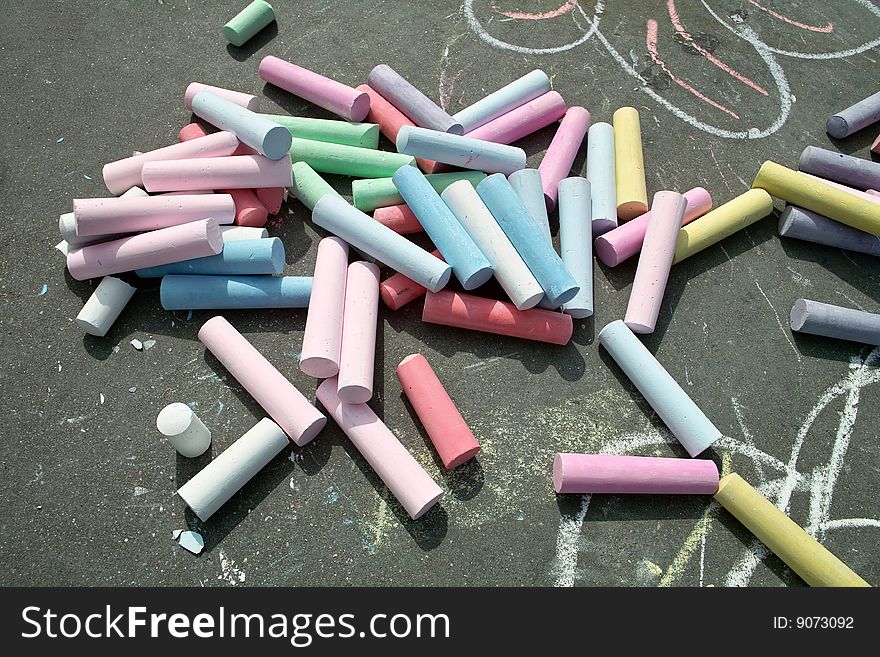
x=248, y=22
x=308, y=186
x=347, y=160
x=362, y=135
x=368, y=195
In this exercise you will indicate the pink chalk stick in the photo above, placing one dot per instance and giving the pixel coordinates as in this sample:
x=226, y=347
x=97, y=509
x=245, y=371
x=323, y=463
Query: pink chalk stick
x=239, y=98
x=398, y=290
x=562, y=152
x=450, y=434
x=849, y=190
x=390, y=120
x=655, y=261
x=322, y=340
x=296, y=416
x=191, y=131
x=876, y=145
x=490, y=316
x=605, y=473
x=405, y=478
x=625, y=241
x=271, y=198
x=359, y=333
x=333, y=96
x=124, y=174
x=235, y=172
x=108, y=216
x=522, y=121
x=398, y=218
x=872, y=192
x=197, y=239
x=248, y=209
x=189, y=192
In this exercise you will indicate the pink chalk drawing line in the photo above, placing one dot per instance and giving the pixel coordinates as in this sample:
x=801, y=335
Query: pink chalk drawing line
x=825, y=29
x=553, y=13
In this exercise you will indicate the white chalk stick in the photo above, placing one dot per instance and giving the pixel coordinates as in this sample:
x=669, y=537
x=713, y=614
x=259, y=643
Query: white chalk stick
x=184, y=430
x=104, y=306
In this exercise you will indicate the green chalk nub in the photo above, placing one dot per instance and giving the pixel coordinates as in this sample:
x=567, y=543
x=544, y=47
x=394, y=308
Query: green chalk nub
x=347, y=160
x=362, y=135
x=248, y=22
x=308, y=186
x=367, y=195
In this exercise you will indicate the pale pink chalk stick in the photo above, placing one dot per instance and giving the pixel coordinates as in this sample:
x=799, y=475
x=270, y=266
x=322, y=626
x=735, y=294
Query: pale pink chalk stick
x=405, y=478
x=606, y=473
x=189, y=192
x=873, y=192
x=359, y=333
x=296, y=416
x=322, y=340
x=398, y=218
x=655, y=262
x=562, y=152
x=271, y=198
x=845, y=188
x=108, y=216
x=333, y=96
x=235, y=172
x=522, y=121
x=124, y=174
x=875, y=147
x=398, y=290
x=248, y=209
x=625, y=241
x=239, y=98
x=452, y=438
x=191, y=131
x=196, y=239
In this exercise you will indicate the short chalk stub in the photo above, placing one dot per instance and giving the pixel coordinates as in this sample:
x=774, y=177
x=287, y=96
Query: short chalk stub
x=184, y=430
x=246, y=23
x=104, y=306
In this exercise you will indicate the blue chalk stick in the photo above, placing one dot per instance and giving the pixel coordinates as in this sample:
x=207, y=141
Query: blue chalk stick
x=576, y=243
x=470, y=266
x=545, y=264
x=255, y=130
x=601, y=174
x=234, y=292
x=238, y=258
x=529, y=187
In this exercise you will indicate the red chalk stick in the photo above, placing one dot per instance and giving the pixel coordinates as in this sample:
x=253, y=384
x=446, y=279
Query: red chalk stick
x=398, y=290
x=398, y=218
x=191, y=131
x=271, y=198
x=248, y=209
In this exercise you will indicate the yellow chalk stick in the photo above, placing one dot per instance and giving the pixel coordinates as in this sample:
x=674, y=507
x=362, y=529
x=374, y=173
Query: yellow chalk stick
x=632, y=195
x=723, y=221
x=803, y=554
x=813, y=194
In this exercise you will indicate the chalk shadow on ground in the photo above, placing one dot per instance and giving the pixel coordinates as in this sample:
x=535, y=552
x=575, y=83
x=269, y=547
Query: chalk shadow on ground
x=856, y=269
x=246, y=51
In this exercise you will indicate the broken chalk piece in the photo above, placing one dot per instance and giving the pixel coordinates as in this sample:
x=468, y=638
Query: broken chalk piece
x=358, y=352
x=322, y=339
x=104, y=306
x=464, y=152
x=811, y=227
x=184, y=430
x=523, y=121
x=563, y=150
x=602, y=176
x=831, y=321
x=184, y=292
x=855, y=117
x=233, y=172
x=247, y=101
x=248, y=209
x=576, y=243
x=238, y=258
x=605, y=473
x=252, y=129
x=137, y=344
x=507, y=98
x=246, y=23
x=410, y=101
x=191, y=542
x=271, y=198
x=308, y=186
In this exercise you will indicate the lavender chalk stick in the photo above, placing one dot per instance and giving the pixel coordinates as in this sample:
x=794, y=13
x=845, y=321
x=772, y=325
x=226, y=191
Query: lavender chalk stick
x=507, y=98
x=864, y=113
x=811, y=227
x=845, y=169
x=184, y=292
x=420, y=109
x=830, y=321
x=464, y=152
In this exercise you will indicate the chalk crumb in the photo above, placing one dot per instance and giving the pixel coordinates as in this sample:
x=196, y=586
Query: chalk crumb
x=137, y=344
x=192, y=542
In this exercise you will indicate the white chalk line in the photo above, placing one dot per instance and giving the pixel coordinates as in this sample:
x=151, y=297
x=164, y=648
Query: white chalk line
x=567, y=538
x=779, y=322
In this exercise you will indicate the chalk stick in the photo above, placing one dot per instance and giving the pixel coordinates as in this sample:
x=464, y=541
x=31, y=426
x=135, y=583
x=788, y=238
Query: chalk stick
x=490, y=316
x=333, y=96
x=398, y=290
x=629, y=164
x=104, y=306
x=238, y=258
x=299, y=419
x=722, y=222
x=396, y=467
x=528, y=185
x=575, y=242
x=855, y=117
x=247, y=101
x=271, y=198
x=234, y=172
x=469, y=264
x=626, y=240
x=123, y=174
x=512, y=273
x=159, y=247
x=63, y=248
x=811, y=227
x=261, y=134
x=845, y=169
x=362, y=135
x=233, y=233
x=449, y=433
x=415, y=105
x=825, y=319
x=184, y=430
x=507, y=98
x=67, y=224
x=107, y=216
x=347, y=160
x=523, y=121
x=187, y=292
x=367, y=195
x=246, y=23
x=655, y=261
x=355, y=380
x=398, y=218
x=459, y=151
x=308, y=186
x=606, y=473
x=872, y=192
x=193, y=131
x=372, y=238
x=849, y=190
x=685, y=420
x=223, y=477
x=248, y=209
x=545, y=264
x=563, y=150
x=800, y=551
x=813, y=194
x=322, y=339
x=602, y=175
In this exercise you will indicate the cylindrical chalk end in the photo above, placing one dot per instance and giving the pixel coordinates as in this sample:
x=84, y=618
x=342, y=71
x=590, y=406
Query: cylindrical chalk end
x=184, y=430
x=104, y=306
x=360, y=107
x=798, y=316
x=631, y=209
x=837, y=127
x=606, y=473
x=248, y=22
